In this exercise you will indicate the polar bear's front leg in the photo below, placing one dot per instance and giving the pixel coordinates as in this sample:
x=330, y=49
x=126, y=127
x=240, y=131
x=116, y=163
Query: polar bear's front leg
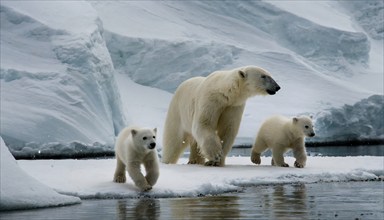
x=134, y=172
x=212, y=149
x=152, y=171
x=228, y=127
x=119, y=176
x=300, y=154
x=204, y=132
x=195, y=156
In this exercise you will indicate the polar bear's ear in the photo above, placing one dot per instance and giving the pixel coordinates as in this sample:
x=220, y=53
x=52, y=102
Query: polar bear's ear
x=155, y=130
x=295, y=120
x=242, y=74
x=133, y=132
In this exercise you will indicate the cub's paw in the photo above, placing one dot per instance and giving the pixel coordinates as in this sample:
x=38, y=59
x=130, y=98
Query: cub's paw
x=255, y=158
x=146, y=188
x=119, y=179
x=299, y=165
x=279, y=165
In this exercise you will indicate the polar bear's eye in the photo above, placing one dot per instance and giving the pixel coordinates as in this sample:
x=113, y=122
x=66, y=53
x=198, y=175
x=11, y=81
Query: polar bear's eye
x=154, y=137
x=144, y=138
x=306, y=127
x=263, y=76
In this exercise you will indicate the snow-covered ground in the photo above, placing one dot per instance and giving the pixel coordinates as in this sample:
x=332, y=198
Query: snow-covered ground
x=92, y=179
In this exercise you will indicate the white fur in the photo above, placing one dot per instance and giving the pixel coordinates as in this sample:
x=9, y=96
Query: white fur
x=132, y=149
x=205, y=113
x=281, y=134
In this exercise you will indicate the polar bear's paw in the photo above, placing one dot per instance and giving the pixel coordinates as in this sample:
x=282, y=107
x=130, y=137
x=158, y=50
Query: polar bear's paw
x=299, y=165
x=214, y=158
x=146, y=188
x=196, y=162
x=255, y=158
x=119, y=179
x=211, y=163
x=282, y=164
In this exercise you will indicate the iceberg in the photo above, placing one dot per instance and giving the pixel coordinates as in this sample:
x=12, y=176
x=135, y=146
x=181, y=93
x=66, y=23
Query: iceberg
x=57, y=79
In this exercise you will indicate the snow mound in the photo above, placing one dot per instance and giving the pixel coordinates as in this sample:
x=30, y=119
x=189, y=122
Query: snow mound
x=90, y=179
x=363, y=120
x=141, y=58
x=20, y=191
x=57, y=82
x=369, y=14
x=327, y=47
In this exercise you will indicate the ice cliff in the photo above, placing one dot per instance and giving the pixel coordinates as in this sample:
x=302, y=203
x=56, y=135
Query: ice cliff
x=361, y=121
x=57, y=83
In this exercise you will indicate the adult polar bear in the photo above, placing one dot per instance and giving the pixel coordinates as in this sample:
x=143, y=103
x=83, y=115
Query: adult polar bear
x=205, y=113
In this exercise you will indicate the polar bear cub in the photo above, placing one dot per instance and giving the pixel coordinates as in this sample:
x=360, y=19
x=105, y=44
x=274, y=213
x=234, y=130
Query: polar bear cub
x=281, y=134
x=134, y=147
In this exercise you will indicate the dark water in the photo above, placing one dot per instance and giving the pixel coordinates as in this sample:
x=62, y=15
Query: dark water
x=347, y=200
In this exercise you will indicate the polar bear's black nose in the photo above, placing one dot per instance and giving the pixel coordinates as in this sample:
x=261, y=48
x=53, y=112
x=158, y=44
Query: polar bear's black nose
x=152, y=145
x=312, y=134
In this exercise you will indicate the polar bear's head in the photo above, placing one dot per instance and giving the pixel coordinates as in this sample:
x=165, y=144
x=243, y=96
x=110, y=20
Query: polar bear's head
x=258, y=81
x=144, y=138
x=303, y=125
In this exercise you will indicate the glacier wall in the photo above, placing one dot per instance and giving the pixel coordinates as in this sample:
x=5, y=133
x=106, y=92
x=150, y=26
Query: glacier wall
x=57, y=83
x=369, y=14
x=190, y=38
x=329, y=48
x=361, y=121
x=179, y=60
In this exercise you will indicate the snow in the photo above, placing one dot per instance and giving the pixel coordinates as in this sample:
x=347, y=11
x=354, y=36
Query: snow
x=325, y=13
x=19, y=190
x=92, y=179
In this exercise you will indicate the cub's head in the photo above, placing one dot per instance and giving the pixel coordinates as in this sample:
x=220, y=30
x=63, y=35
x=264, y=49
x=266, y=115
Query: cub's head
x=258, y=81
x=144, y=138
x=304, y=126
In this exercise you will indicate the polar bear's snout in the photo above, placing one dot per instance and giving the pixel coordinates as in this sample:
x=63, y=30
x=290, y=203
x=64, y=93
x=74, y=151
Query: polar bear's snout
x=272, y=86
x=312, y=134
x=152, y=145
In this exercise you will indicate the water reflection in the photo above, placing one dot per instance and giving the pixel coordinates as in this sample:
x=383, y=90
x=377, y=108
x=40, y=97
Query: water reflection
x=212, y=207
x=144, y=208
x=347, y=200
x=290, y=202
